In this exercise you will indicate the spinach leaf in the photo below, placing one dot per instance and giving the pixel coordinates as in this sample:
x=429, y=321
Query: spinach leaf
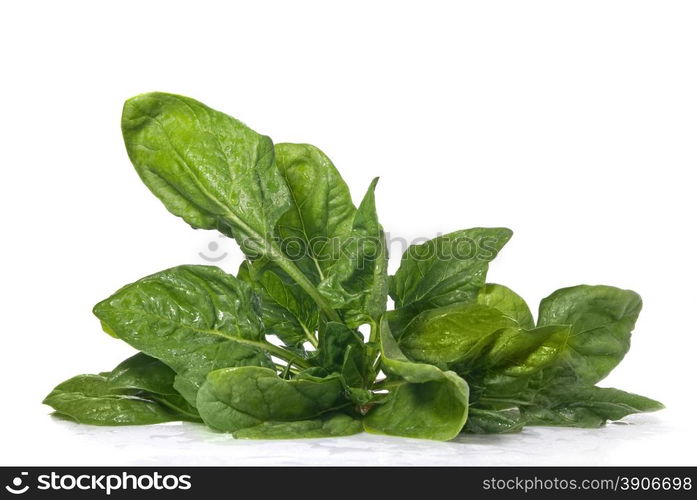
x=286, y=310
x=445, y=270
x=92, y=399
x=153, y=379
x=195, y=319
x=331, y=424
x=356, y=284
x=205, y=166
x=508, y=302
x=455, y=334
x=602, y=319
x=238, y=398
x=483, y=421
x=212, y=171
x=586, y=407
x=425, y=402
x=321, y=213
x=316, y=270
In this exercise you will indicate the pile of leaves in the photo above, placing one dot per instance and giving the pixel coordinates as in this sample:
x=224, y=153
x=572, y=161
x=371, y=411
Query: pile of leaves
x=275, y=352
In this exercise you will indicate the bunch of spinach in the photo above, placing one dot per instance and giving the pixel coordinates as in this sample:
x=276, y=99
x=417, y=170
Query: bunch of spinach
x=456, y=354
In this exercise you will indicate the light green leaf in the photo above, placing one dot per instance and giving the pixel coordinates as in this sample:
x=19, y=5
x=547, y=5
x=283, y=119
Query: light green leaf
x=455, y=334
x=206, y=166
x=508, y=302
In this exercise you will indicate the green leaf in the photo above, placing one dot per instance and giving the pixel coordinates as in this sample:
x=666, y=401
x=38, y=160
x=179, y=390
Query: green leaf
x=332, y=424
x=206, y=166
x=195, y=319
x=143, y=373
x=214, y=172
x=482, y=421
x=426, y=403
x=237, y=398
x=454, y=334
x=357, y=283
x=287, y=311
x=445, y=270
x=508, y=302
x=602, y=319
x=334, y=340
x=321, y=213
x=91, y=399
x=518, y=352
x=588, y=407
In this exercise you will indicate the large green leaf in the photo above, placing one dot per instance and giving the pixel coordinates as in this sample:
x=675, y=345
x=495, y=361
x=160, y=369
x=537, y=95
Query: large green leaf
x=237, y=398
x=445, y=270
x=357, y=282
x=214, y=172
x=508, y=302
x=195, y=319
x=92, y=399
x=425, y=402
x=205, y=166
x=602, y=319
x=321, y=212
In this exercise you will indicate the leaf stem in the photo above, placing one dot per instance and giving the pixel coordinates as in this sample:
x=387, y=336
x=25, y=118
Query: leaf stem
x=286, y=355
x=289, y=267
x=310, y=336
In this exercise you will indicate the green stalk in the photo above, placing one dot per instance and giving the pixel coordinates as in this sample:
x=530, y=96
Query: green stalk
x=289, y=267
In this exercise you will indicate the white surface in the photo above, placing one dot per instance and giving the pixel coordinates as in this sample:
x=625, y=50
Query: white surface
x=640, y=440
x=571, y=122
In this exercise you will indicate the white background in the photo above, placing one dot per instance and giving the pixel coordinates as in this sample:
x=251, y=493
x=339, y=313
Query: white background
x=573, y=123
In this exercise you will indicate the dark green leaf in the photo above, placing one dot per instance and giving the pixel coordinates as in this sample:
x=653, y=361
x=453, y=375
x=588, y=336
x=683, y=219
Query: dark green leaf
x=332, y=424
x=287, y=311
x=321, y=213
x=426, y=403
x=445, y=270
x=588, y=407
x=357, y=283
x=143, y=373
x=91, y=399
x=481, y=421
x=237, y=398
x=602, y=319
x=195, y=319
